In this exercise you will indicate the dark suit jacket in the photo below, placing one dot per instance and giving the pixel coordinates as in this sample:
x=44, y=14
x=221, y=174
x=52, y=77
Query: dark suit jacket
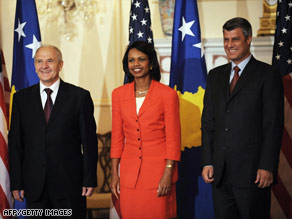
x=62, y=153
x=242, y=131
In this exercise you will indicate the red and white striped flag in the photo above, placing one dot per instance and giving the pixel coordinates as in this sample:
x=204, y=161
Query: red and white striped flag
x=5, y=194
x=282, y=60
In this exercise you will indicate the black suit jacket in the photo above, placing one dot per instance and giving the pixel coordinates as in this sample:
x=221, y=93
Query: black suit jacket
x=61, y=154
x=242, y=131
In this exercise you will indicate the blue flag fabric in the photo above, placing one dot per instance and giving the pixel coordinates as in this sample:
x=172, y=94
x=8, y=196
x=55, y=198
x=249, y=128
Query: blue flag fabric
x=27, y=40
x=140, y=24
x=188, y=68
x=188, y=76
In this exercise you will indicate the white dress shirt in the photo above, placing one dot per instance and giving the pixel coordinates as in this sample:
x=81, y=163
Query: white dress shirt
x=241, y=67
x=54, y=87
x=139, y=102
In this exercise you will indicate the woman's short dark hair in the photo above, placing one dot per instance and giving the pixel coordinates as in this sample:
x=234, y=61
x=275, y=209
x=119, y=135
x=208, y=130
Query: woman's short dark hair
x=149, y=50
x=238, y=22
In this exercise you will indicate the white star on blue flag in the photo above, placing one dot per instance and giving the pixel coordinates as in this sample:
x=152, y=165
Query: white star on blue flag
x=27, y=39
x=140, y=22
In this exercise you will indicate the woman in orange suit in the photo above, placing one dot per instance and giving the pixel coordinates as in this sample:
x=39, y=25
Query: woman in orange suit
x=145, y=138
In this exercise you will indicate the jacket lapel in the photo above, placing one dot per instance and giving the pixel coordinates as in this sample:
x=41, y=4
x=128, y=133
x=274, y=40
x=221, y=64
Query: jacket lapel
x=129, y=100
x=61, y=98
x=36, y=104
x=226, y=84
x=148, y=99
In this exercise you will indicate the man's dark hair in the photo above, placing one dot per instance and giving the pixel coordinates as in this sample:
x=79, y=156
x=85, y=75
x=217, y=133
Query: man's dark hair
x=238, y=22
x=149, y=50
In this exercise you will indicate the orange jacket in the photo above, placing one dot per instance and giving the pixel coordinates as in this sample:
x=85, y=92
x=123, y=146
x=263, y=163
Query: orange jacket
x=143, y=142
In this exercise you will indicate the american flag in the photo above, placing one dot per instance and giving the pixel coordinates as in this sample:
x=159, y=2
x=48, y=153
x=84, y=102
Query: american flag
x=5, y=194
x=140, y=24
x=282, y=60
x=139, y=30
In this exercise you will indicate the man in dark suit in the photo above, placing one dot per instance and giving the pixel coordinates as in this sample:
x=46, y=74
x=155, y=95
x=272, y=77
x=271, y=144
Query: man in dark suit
x=52, y=141
x=242, y=126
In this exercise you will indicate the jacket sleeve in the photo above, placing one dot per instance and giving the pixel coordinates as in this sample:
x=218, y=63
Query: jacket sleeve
x=89, y=142
x=172, y=127
x=15, y=148
x=273, y=121
x=117, y=141
x=208, y=125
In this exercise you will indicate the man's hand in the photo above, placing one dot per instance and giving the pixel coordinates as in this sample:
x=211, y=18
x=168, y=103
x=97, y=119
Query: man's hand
x=17, y=196
x=87, y=191
x=264, y=178
x=208, y=174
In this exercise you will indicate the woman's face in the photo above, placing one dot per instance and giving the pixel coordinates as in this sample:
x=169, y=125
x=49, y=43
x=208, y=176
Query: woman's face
x=138, y=63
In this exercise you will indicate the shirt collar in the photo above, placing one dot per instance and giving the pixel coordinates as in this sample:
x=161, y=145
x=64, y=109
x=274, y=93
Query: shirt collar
x=241, y=65
x=54, y=87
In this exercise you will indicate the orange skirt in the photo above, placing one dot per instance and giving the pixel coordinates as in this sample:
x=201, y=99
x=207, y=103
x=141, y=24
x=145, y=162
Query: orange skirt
x=144, y=203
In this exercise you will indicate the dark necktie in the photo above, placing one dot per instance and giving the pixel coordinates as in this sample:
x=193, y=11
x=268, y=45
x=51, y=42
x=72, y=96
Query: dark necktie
x=49, y=104
x=235, y=78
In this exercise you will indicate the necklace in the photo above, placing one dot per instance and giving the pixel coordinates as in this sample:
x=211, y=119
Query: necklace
x=142, y=92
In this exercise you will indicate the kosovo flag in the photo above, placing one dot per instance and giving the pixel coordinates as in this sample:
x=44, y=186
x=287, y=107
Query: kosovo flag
x=188, y=76
x=27, y=39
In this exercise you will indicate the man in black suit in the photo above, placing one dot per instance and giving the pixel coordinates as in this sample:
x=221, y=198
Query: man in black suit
x=242, y=126
x=52, y=141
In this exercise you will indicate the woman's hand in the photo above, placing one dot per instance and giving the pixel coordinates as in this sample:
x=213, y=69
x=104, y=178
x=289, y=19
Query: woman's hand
x=115, y=185
x=115, y=179
x=164, y=185
x=165, y=181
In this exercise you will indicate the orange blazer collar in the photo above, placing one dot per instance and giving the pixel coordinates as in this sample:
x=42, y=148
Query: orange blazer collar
x=130, y=96
x=149, y=98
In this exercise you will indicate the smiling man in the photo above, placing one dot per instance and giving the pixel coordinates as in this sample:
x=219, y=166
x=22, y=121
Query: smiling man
x=52, y=141
x=242, y=125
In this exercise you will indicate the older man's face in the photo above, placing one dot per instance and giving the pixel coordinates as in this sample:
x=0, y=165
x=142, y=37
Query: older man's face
x=47, y=65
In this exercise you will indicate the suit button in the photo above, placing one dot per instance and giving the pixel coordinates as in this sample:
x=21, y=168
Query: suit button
x=140, y=158
x=227, y=129
x=138, y=130
x=139, y=148
x=228, y=111
x=138, y=139
x=137, y=120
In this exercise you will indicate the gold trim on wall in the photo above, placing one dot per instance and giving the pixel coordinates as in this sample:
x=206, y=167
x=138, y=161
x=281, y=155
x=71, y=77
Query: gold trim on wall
x=268, y=21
